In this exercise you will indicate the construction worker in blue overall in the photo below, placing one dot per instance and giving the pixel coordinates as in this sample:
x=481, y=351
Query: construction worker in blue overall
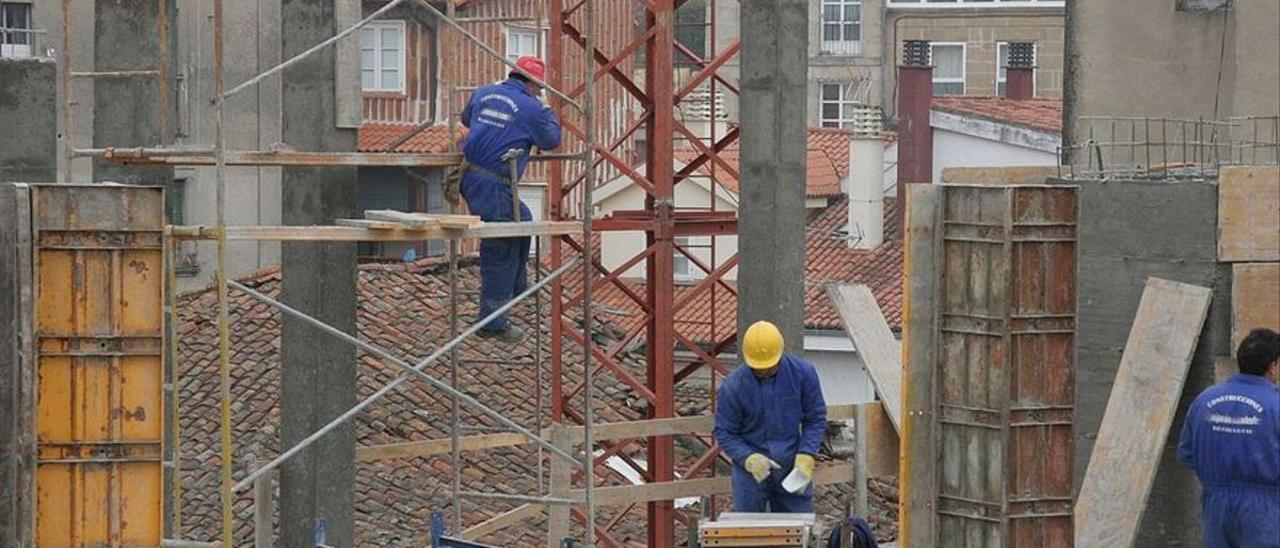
x=770, y=420
x=1231, y=438
x=506, y=120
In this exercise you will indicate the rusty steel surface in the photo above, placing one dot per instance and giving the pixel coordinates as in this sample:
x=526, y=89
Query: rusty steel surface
x=99, y=288
x=1004, y=369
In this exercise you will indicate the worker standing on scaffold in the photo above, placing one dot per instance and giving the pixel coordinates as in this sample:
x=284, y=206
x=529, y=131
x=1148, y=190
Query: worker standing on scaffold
x=506, y=120
x=770, y=419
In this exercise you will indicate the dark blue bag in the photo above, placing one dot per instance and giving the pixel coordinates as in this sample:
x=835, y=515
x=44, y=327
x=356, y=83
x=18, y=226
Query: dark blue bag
x=862, y=535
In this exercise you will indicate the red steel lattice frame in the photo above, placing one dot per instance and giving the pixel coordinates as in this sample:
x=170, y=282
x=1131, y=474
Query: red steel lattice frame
x=660, y=222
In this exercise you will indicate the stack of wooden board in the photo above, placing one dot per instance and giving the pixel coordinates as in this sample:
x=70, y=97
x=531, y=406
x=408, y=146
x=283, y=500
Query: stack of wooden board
x=390, y=219
x=752, y=529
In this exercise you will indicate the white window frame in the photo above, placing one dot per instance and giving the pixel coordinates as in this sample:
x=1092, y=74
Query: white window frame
x=539, y=38
x=377, y=27
x=19, y=51
x=846, y=89
x=1003, y=78
x=927, y=4
x=681, y=266
x=964, y=69
x=840, y=47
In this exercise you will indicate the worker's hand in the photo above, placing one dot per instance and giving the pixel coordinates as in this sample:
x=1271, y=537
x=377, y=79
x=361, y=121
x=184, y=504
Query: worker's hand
x=805, y=463
x=759, y=466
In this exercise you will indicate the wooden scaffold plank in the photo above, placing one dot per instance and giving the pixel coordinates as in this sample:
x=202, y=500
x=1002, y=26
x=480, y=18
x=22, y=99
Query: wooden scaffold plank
x=1144, y=398
x=874, y=341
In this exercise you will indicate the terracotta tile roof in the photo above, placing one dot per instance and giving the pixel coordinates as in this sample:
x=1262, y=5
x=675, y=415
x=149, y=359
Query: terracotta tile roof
x=403, y=308
x=1041, y=114
x=823, y=177
x=828, y=259
x=374, y=137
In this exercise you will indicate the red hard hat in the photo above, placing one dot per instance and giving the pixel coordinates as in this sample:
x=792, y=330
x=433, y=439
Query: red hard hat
x=534, y=66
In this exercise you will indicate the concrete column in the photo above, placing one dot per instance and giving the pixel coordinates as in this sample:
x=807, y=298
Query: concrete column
x=772, y=216
x=319, y=372
x=28, y=152
x=129, y=112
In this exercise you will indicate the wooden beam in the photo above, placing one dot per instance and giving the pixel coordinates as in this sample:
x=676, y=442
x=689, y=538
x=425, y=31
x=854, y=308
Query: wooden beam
x=268, y=158
x=369, y=224
x=438, y=447
x=1248, y=219
x=502, y=521
x=1144, y=398
x=355, y=234
x=874, y=342
x=702, y=424
x=560, y=482
x=671, y=490
x=918, y=475
x=410, y=221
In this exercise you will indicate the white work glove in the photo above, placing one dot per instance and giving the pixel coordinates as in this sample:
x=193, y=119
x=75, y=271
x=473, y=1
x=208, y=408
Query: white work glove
x=759, y=466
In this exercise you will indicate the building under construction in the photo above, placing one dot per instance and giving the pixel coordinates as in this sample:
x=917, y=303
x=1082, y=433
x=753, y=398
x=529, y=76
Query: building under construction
x=331, y=392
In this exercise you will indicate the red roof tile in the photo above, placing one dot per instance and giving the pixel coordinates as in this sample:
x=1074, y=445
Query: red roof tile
x=375, y=137
x=1041, y=114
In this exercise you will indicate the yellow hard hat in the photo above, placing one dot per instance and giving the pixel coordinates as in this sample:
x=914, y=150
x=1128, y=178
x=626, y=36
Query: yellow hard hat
x=762, y=345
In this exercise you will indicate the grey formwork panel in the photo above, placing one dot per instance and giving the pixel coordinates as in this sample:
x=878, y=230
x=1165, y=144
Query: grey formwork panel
x=1004, y=336
x=17, y=392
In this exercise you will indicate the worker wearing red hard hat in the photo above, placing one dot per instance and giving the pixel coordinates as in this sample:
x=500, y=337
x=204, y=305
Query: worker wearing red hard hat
x=770, y=420
x=507, y=120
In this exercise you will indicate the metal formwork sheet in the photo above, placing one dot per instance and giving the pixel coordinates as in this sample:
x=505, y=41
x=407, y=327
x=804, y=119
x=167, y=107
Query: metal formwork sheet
x=99, y=289
x=1006, y=324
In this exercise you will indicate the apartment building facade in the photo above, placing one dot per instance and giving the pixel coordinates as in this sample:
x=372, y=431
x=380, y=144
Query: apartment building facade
x=855, y=45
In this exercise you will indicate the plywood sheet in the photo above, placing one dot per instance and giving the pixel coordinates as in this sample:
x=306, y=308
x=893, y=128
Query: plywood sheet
x=874, y=341
x=1249, y=213
x=1255, y=298
x=1143, y=401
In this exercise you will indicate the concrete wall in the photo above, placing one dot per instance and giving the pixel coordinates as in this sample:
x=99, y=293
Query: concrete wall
x=28, y=112
x=951, y=149
x=617, y=248
x=1128, y=232
x=980, y=29
x=1125, y=57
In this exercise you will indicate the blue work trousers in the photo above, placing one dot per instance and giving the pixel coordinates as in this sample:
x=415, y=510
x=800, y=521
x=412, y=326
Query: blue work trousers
x=1240, y=517
x=768, y=495
x=503, y=271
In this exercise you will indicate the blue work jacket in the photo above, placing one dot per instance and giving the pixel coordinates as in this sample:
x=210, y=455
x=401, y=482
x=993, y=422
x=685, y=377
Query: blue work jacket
x=1231, y=436
x=777, y=416
x=504, y=116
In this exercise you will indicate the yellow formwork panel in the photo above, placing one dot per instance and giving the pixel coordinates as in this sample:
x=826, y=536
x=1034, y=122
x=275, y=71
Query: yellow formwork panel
x=99, y=277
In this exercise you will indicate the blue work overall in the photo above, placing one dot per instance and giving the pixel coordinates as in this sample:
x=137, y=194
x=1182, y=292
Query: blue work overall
x=777, y=416
x=502, y=117
x=1231, y=437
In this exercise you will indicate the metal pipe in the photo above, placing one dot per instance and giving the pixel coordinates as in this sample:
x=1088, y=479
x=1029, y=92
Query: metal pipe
x=492, y=52
x=175, y=427
x=64, y=62
x=411, y=369
x=588, y=99
x=521, y=498
x=117, y=74
x=224, y=322
x=455, y=412
x=299, y=57
x=142, y=152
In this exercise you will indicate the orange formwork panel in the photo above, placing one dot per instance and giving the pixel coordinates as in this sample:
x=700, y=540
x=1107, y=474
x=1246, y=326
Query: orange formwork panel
x=99, y=289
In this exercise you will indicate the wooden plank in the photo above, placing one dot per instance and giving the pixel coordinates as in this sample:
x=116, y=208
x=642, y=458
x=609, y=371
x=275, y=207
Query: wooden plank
x=671, y=490
x=457, y=221
x=502, y=521
x=1248, y=219
x=1143, y=401
x=918, y=483
x=369, y=224
x=873, y=340
x=353, y=234
x=646, y=428
x=438, y=447
x=1005, y=175
x=559, y=485
x=283, y=158
x=1255, y=298
x=412, y=221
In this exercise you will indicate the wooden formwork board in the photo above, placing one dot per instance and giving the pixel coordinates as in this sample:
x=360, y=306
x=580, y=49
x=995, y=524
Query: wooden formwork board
x=1249, y=213
x=1255, y=298
x=1143, y=401
x=99, y=289
x=1004, y=331
x=881, y=353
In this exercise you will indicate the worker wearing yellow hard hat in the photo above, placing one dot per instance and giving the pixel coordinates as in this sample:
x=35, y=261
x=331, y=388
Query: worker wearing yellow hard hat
x=770, y=420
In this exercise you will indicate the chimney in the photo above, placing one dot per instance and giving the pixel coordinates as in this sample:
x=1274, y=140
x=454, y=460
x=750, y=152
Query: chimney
x=1020, y=82
x=866, y=191
x=915, y=135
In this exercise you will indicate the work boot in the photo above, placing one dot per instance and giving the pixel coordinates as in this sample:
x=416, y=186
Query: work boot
x=510, y=335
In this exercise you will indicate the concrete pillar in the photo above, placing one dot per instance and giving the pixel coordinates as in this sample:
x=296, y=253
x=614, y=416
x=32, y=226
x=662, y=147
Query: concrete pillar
x=772, y=217
x=29, y=149
x=319, y=372
x=128, y=112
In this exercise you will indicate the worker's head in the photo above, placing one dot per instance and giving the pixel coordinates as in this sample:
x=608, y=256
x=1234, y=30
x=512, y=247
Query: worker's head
x=1259, y=352
x=535, y=67
x=762, y=348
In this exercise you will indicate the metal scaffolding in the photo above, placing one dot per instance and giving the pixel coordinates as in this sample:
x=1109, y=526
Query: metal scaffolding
x=580, y=65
